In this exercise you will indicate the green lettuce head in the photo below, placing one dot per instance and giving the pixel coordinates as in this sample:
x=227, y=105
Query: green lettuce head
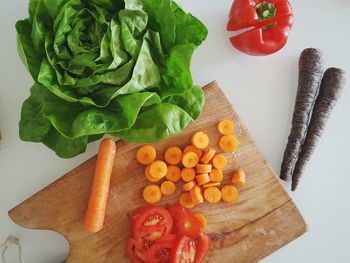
x=107, y=67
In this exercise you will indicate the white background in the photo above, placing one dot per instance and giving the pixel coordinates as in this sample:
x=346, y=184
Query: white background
x=262, y=89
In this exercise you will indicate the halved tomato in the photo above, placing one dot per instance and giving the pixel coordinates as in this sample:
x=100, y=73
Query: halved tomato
x=135, y=251
x=185, y=223
x=151, y=223
x=160, y=251
x=203, y=246
x=184, y=251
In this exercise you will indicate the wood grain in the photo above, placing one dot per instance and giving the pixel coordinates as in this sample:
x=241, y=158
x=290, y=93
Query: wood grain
x=262, y=220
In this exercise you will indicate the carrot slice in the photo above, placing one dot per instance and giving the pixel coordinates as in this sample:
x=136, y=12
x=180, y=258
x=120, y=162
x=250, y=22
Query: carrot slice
x=202, y=220
x=228, y=143
x=203, y=168
x=173, y=155
x=152, y=194
x=186, y=201
x=212, y=194
x=191, y=148
x=202, y=179
x=149, y=177
x=219, y=161
x=200, y=140
x=167, y=188
x=173, y=173
x=210, y=184
x=238, y=177
x=96, y=210
x=216, y=175
x=158, y=169
x=229, y=193
x=225, y=127
x=196, y=195
x=188, y=186
x=188, y=174
x=190, y=159
x=146, y=154
x=209, y=154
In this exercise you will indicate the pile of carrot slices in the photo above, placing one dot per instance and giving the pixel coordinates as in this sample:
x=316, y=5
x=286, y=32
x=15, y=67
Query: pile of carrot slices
x=198, y=166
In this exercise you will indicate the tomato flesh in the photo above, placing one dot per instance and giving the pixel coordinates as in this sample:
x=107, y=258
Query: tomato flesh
x=185, y=223
x=203, y=246
x=135, y=251
x=155, y=240
x=160, y=251
x=184, y=250
x=151, y=222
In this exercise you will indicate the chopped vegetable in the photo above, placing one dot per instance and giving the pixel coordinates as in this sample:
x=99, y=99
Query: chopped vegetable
x=216, y=175
x=212, y=194
x=188, y=174
x=184, y=251
x=185, y=223
x=210, y=184
x=202, y=179
x=185, y=200
x=191, y=148
x=96, y=209
x=204, y=245
x=173, y=235
x=149, y=177
x=310, y=74
x=228, y=143
x=190, y=159
x=268, y=24
x=238, y=177
x=188, y=186
x=146, y=154
x=196, y=195
x=202, y=219
x=229, y=193
x=173, y=173
x=160, y=251
x=208, y=155
x=151, y=222
x=203, y=168
x=200, y=140
x=173, y=155
x=135, y=251
x=225, y=127
x=152, y=194
x=168, y=188
x=333, y=82
x=219, y=161
x=158, y=169
x=115, y=67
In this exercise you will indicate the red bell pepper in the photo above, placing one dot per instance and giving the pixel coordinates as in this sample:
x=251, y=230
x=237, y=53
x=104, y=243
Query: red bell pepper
x=271, y=20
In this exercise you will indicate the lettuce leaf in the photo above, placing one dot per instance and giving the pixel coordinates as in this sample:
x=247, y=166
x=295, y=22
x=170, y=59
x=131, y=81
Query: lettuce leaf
x=107, y=67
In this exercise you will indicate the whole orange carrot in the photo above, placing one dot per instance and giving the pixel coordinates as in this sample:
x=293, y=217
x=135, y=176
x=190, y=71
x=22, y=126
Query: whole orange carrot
x=95, y=213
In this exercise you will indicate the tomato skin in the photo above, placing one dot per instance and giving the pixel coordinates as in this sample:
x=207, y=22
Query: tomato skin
x=161, y=250
x=203, y=246
x=260, y=41
x=243, y=14
x=134, y=251
x=149, y=220
x=185, y=223
x=269, y=34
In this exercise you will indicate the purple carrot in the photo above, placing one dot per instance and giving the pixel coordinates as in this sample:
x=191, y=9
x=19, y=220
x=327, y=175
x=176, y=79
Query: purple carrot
x=332, y=84
x=310, y=73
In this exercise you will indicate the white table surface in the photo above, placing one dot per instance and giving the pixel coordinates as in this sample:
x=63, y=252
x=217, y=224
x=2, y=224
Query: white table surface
x=262, y=89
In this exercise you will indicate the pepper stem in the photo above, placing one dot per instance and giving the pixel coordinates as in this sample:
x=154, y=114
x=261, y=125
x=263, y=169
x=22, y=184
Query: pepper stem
x=265, y=10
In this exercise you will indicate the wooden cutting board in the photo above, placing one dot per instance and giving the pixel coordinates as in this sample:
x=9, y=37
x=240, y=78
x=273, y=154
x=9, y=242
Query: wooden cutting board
x=262, y=220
